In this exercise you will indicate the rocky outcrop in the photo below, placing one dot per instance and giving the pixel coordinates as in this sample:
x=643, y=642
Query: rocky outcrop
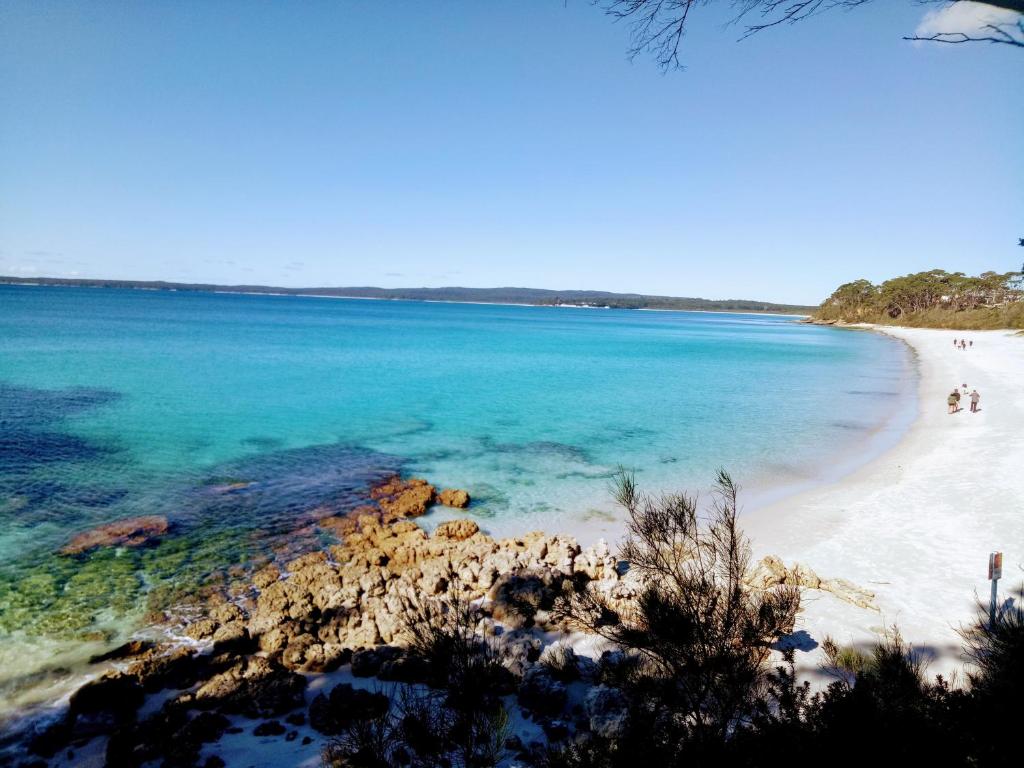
x=772, y=572
x=254, y=686
x=453, y=497
x=349, y=603
x=399, y=499
x=130, y=532
x=395, y=500
x=456, y=530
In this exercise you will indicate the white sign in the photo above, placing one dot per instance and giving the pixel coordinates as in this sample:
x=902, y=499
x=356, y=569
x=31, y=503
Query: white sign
x=995, y=566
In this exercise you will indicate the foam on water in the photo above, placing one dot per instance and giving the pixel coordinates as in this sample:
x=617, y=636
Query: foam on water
x=243, y=418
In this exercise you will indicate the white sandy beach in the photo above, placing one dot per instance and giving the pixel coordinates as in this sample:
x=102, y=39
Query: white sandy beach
x=916, y=525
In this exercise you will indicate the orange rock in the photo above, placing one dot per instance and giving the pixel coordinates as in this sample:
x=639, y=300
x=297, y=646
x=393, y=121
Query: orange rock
x=456, y=530
x=399, y=499
x=454, y=497
x=130, y=532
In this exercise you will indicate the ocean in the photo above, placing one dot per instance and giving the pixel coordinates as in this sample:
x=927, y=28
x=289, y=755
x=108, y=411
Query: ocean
x=244, y=418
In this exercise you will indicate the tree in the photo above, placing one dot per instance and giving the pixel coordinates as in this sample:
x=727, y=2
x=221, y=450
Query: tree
x=658, y=26
x=699, y=636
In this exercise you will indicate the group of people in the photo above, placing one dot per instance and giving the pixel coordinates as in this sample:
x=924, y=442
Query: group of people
x=954, y=399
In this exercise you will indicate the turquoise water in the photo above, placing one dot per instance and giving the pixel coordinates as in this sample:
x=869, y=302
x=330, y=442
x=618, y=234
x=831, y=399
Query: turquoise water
x=117, y=403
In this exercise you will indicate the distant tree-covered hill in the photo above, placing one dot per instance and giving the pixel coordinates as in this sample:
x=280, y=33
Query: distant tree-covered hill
x=535, y=296
x=933, y=299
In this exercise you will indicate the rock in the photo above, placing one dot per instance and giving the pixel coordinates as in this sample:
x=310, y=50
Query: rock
x=400, y=499
x=130, y=532
x=114, y=693
x=540, y=693
x=160, y=668
x=850, y=593
x=169, y=736
x=254, y=687
x=368, y=661
x=231, y=637
x=771, y=572
x=802, y=576
x=201, y=629
x=264, y=577
x=560, y=661
x=518, y=596
x=204, y=728
x=225, y=613
x=124, y=651
x=330, y=715
x=269, y=728
x=456, y=530
x=607, y=712
x=454, y=497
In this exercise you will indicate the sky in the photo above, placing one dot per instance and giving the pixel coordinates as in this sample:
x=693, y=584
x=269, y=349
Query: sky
x=499, y=143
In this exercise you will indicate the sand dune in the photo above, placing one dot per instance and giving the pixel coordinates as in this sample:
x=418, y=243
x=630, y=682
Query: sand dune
x=916, y=525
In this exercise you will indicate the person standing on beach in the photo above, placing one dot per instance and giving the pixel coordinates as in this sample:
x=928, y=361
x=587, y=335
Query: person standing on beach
x=951, y=401
x=975, y=398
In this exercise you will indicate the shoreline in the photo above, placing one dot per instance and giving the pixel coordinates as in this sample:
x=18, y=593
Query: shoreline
x=916, y=523
x=417, y=301
x=862, y=526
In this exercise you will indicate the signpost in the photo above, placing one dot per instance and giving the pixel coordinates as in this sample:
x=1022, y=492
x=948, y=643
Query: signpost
x=995, y=573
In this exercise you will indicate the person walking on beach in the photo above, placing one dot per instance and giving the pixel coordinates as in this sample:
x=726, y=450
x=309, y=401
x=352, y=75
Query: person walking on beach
x=975, y=398
x=970, y=343
x=952, y=400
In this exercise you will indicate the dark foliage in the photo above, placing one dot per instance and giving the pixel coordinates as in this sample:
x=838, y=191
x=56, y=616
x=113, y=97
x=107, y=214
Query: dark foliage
x=457, y=718
x=697, y=643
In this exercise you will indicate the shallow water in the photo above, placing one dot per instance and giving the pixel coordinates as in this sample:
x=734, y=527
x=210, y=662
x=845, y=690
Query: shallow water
x=245, y=418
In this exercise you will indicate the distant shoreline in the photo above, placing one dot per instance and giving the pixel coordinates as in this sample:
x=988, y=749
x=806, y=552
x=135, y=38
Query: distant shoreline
x=510, y=296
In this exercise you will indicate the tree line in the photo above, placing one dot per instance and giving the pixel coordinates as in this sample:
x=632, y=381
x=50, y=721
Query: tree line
x=935, y=298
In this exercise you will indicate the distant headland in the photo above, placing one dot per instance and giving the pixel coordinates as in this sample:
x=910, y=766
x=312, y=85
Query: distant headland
x=533, y=296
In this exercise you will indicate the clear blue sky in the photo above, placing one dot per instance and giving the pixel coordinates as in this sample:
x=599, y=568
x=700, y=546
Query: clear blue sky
x=498, y=143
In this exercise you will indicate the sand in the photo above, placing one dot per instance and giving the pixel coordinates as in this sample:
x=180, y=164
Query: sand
x=916, y=525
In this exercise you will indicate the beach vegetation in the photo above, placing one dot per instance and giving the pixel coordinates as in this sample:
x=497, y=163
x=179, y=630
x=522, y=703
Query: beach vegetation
x=932, y=299
x=698, y=640
x=455, y=716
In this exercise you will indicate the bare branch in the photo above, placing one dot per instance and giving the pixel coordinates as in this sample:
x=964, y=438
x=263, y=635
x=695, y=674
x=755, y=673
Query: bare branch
x=1002, y=34
x=658, y=26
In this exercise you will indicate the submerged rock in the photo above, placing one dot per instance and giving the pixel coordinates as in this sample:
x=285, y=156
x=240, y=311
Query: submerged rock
x=130, y=532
